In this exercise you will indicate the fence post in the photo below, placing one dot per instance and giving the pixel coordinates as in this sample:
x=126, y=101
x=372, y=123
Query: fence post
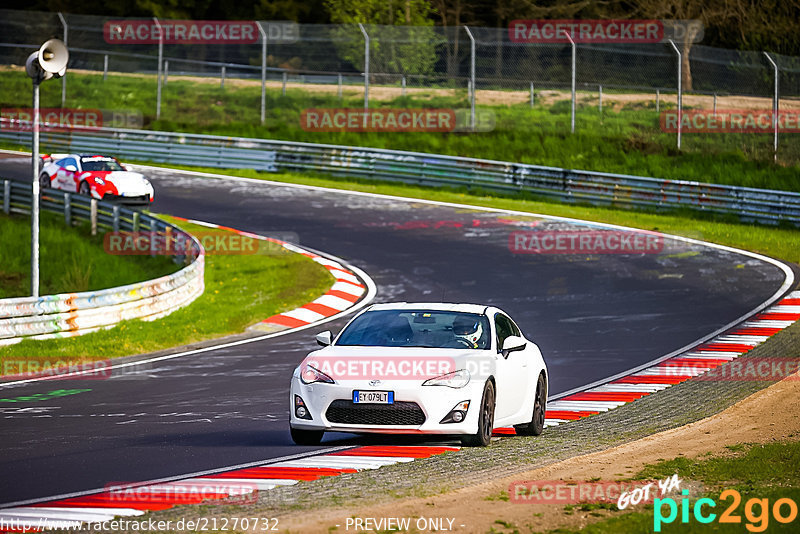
x=115, y=220
x=6, y=197
x=93, y=215
x=285, y=76
x=658, y=100
x=775, y=105
x=166, y=71
x=600, y=99
x=715, y=103
x=403, y=85
x=68, y=209
x=158, y=76
x=572, y=106
x=366, y=71
x=339, y=75
x=66, y=43
x=105, y=67
x=471, y=78
x=263, y=71
x=680, y=90
x=135, y=221
x=222, y=77
x=532, y=95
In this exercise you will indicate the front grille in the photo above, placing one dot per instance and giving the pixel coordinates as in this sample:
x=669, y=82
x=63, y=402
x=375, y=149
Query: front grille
x=399, y=413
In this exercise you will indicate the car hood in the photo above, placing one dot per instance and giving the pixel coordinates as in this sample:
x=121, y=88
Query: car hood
x=389, y=363
x=123, y=179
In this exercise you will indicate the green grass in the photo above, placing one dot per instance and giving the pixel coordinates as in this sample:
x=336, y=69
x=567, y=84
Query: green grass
x=777, y=242
x=627, y=140
x=239, y=291
x=766, y=471
x=70, y=259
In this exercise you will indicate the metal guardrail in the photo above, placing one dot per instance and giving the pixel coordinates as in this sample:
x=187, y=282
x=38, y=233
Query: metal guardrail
x=73, y=314
x=576, y=186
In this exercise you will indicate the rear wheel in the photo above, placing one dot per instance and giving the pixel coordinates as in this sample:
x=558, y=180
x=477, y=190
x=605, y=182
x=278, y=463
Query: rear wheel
x=44, y=181
x=536, y=426
x=485, y=420
x=306, y=437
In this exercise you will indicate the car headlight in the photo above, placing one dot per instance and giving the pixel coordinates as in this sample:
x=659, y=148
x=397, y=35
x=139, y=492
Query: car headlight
x=456, y=379
x=310, y=374
x=99, y=181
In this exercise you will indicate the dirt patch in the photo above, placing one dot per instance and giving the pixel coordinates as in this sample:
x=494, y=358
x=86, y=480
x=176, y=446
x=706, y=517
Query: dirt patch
x=760, y=418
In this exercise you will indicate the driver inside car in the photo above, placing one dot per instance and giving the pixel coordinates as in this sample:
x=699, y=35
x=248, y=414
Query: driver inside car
x=467, y=331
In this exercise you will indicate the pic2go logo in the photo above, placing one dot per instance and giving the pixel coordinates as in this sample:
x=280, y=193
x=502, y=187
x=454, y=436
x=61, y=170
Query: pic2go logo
x=756, y=511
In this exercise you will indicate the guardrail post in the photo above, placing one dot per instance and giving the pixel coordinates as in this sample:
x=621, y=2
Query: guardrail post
x=68, y=209
x=166, y=71
x=93, y=215
x=283, y=88
x=403, y=85
x=658, y=100
x=153, y=237
x=222, y=77
x=532, y=95
x=135, y=221
x=340, y=85
x=115, y=220
x=6, y=197
x=105, y=67
x=715, y=103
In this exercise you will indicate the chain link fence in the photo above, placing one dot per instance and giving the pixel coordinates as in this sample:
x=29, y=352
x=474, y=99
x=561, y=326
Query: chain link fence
x=373, y=66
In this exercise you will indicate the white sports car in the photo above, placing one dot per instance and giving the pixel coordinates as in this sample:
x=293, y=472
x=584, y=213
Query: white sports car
x=101, y=177
x=402, y=368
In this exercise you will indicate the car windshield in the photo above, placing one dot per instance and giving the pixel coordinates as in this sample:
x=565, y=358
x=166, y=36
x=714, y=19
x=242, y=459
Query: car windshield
x=101, y=164
x=418, y=328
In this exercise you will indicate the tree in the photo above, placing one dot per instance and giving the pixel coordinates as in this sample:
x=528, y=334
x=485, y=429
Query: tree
x=402, y=38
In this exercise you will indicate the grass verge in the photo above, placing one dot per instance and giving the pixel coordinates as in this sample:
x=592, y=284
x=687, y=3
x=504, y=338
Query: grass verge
x=624, y=138
x=71, y=259
x=239, y=290
x=764, y=473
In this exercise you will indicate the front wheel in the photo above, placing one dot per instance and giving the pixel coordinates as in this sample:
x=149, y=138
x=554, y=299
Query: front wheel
x=306, y=437
x=485, y=420
x=84, y=189
x=536, y=426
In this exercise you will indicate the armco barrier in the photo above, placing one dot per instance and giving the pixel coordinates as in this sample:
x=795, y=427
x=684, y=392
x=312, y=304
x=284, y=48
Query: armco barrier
x=72, y=314
x=761, y=205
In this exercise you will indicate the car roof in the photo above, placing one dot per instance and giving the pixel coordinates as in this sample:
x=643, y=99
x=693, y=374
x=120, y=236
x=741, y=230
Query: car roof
x=434, y=306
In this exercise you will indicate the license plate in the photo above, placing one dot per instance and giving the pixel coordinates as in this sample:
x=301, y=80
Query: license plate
x=373, y=397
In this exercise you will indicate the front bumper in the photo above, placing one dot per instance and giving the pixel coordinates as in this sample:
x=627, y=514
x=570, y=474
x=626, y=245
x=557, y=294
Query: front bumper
x=334, y=401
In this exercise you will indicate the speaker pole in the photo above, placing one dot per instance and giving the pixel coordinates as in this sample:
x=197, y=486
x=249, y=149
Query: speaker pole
x=35, y=193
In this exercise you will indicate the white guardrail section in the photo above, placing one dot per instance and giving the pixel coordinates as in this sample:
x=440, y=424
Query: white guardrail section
x=749, y=204
x=72, y=314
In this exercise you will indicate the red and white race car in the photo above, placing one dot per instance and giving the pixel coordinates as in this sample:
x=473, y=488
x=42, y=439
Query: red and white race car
x=102, y=177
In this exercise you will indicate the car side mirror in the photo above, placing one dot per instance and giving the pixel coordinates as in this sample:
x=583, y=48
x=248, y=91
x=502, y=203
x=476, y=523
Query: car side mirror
x=513, y=344
x=324, y=338
x=71, y=168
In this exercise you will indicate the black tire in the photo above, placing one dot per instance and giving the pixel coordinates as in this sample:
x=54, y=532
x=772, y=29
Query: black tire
x=536, y=426
x=306, y=437
x=485, y=420
x=84, y=189
x=44, y=181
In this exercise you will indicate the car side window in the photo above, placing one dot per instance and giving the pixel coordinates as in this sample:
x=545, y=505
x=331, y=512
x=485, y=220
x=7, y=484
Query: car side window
x=68, y=161
x=504, y=327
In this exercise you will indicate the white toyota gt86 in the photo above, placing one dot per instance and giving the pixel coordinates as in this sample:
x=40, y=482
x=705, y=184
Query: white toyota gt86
x=421, y=368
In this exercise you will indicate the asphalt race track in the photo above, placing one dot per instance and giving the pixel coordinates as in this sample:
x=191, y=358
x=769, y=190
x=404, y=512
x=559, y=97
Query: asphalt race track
x=592, y=315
